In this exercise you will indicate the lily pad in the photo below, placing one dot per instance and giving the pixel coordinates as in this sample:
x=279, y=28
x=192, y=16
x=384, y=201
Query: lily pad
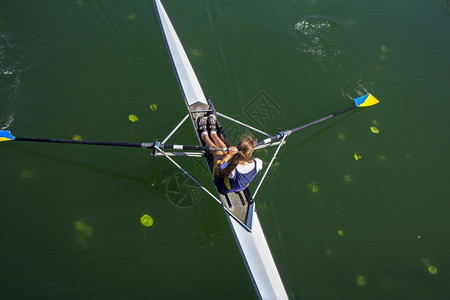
x=196, y=52
x=374, y=130
x=361, y=281
x=432, y=270
x=342, y=136
x=133, y=118
x=146, y=220
x=314, y=187
x=77, y=137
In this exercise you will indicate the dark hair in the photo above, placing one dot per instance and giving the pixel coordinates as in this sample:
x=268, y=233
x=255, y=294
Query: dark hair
x=245, y=151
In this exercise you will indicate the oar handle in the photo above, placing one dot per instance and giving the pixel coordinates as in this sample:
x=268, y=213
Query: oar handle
x=188, y=147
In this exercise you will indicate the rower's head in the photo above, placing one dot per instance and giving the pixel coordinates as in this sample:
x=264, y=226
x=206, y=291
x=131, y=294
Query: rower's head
x=245, y=150
x=246, y=147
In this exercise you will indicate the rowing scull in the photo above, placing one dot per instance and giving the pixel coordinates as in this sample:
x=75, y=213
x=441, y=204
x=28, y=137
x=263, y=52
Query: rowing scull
x=239, y=207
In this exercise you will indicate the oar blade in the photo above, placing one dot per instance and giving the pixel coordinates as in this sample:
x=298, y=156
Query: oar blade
x=366, y=101
x=5, y=135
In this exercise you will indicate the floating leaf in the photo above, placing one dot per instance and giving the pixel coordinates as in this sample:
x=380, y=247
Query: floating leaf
x=357, y=156
x=133, y=118
x=146, y=220
x=196, y=52
x=81, y=226
x=25, y=174
x=83, y=232
x=384, y=48
x=314, y=187
x=77, y=137
x=153, y=107
x=431, y=269
x=361, y=281
x=348, y=178
x=340, y=232
x=131, y=17
x=374, y=130
x=375, y=122
x=342, y=136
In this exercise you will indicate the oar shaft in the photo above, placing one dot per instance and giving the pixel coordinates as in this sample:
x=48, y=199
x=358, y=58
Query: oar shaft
x=139, y=145
x=322, y=119
x=62, y=141
x=280, y=135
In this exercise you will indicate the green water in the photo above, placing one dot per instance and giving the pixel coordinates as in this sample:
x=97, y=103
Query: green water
x=338, y=228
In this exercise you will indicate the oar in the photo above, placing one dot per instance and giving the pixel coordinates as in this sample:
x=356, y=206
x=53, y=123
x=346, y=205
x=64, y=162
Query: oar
x=364, y=101
x=7, y=136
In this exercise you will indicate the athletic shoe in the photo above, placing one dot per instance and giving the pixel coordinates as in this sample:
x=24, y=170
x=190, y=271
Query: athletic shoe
x=212, y=123
x=201, y=124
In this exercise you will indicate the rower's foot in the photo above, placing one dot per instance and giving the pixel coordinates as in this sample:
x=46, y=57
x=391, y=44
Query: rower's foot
x=212, y=124
x=201, y=126
x=218, y=124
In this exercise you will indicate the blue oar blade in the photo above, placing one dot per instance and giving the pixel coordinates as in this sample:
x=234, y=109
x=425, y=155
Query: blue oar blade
x=366, y=100
x=5, y=135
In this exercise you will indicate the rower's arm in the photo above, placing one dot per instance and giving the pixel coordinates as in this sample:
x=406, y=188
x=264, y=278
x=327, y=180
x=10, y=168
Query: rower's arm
x=226, y=158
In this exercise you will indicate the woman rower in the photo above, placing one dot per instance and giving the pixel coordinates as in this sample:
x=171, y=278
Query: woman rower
x=233, y=170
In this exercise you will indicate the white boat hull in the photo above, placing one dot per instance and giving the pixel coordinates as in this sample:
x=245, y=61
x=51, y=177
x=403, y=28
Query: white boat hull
x=248, y=233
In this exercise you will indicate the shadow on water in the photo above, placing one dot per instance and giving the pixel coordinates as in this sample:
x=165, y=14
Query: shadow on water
x=104, y=171
x=177, y=188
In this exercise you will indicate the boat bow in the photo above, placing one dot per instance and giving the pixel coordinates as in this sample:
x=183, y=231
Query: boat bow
x=189, y=84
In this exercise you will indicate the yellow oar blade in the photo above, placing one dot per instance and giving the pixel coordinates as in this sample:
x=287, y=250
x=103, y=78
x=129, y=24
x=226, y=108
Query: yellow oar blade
x=366, y=100
x=5, y=136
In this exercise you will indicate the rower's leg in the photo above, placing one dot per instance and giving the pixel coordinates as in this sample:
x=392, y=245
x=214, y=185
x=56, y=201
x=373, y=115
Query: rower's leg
x=210, y=143
x=217, y=141
x=212, y=128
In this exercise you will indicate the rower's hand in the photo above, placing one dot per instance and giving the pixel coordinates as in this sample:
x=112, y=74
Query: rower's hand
x=232, y=150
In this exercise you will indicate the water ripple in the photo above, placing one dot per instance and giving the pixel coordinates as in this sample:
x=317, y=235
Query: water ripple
x=325, y=39
x=319, y=36
x=11, y=68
